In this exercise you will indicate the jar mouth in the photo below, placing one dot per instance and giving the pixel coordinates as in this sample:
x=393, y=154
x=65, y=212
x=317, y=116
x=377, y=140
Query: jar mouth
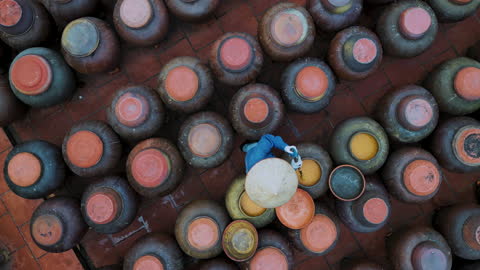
x=414, y=22
x=148, y=262
x=102, y=207
x=10, y=13
x=269, y=257
x=81, y=38
x=203, y=233
x=249, y=207
x=421, y=177
x=363, y=146
x=132, y=109
x=347, y=182
x=24, y=169
x=289, y=27
x=85, y=149
x=47, y=230
x=466, y=145
x=375, y=210
x=240, y=240
x=236, y=54
x=311, y=83
x=205, y=140
x=311, y=173
x=136, y=14
x=182, y=83
x=414, y=113
x=467, y=83
x=151, y=168
x=31, y=75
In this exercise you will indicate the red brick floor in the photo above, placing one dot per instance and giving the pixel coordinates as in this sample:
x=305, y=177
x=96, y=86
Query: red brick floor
x=158, y=215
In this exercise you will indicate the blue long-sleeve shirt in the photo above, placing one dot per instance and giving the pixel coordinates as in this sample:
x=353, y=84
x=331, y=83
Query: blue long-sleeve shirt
x=263, y=150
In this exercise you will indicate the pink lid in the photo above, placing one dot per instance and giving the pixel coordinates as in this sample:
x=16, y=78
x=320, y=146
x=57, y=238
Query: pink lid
x=10, y=12
x=364, y=50
x=236, y=53
x=414, y=22
x=102, y=207
x=136, y=13
x=150, y=168
x=131, y=109
x=289, y=27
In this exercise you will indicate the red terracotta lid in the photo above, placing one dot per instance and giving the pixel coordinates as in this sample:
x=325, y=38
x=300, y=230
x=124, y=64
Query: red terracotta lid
x=31, y=74
x=236, y=53
x=132, y=109
x=150, y=168
x=311, y=83
x=415, y=112
x=461, y=2
x=471, y=232
x=414, y=22
x=84, y=149
x=136, y=13
x=467, y=83
x=375, y=210
x=269, y=258
x=289, y=27
x=364, y=51
x=256, y=110
x=421, y=177
x=428, y=256
x=10, y=12
x=182, y=83
x=24, y=169
x=203, y=233
x=102, y=207
x=47, y=230
x=148, y=262
x=298, y=212
x=204, y=140
x=320, y=234
x=467, y=145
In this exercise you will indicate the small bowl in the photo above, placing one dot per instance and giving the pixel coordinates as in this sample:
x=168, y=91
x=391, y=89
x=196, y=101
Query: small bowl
x=346, y=182
x=240, y=240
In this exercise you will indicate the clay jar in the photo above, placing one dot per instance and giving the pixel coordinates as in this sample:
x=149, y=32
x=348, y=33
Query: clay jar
x=240, y=240
x=408, y=114
x=359, y=264
x=141, y=22
x=40, y=77
x=89, y=45
x=407, y=28
x=154, y=167
x=273, y=252
x=308, y=84
x=255, y=110
x=185, y=84
x=192, y=10
x=236, y=58
x=412, y=175
x=316, y=167
x=205, y=140
x=218, y=264
x=370, y=212
x=355, y=53
x=57, y=224
x=456, y=144
x=420, y=248
x=346, y=182
x=286, y=31
x=240, y=206
x=11, y=108
x=360, y=141
x=24, y=24
x=460, y=225
x=154, y=251
x=199, y=229
x=109, y=205
x=65, y=11
x=136, y=113
x=34, y=169
x=453, y=10
x=91, y=148
x=334, y=15
x=455, y=84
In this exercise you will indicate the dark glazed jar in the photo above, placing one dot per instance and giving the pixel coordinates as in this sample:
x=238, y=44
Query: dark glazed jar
x=192, y=10
x=65, y=11
x=91, y=148
x=407, y=28
x=355, y=53
x=236, y=58
x=308, y=84
x=419, y=248
x=205, y=140
x=109, y=205
x=40, y=77
x=460, y=225
x=89, y=45
x=256, y=110
x=11, y=108
x=334, y=15
x=24, y=24
x=359, y=264
x=136, y=113
x=453, y=10
x=286, y=31
x=218, y=264
x=154, y=167
x=273, y=252
x=456, y=144
x=199, y=229
x=34, y=169
x=185, y=84
x=154, y=251
x=408, y=114
x=141, y=22
x=455, y=84
x=57, y=224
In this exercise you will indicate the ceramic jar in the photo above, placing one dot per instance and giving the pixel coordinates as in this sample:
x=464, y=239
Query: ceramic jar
x=273, y=252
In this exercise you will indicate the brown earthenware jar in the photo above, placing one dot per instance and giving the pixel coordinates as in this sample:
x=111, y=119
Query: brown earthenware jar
x=65, y=11
x=192, y=10
x=359, y=264
x=11, y=108
x=334, y=15
x=273, y=252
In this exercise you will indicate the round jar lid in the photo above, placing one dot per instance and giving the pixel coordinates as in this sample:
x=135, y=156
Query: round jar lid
x=148, y=262
x=150, y=168
x=31, y=74
x=466, y=145
x=467, y=83
x=414, y=22
x=47, y=230
x=182, y=83
x=136, y=13
x=84, y=149
x=269, y=258
x=311, y=172
x=102, y=207
x=375, y=210
x=249, y=207
x=363, y=146
x=132, y=109
x=80, y=38
x=364, y=51
x=421, y=177
x=311, y=83
x=10, y=12
x=347, y=182
x=236, y=53
x=256, y=110
x=427, y=256
x=24, y=169
x=298, y=212
x=320, y=234
x=414, y=112
x=289, y=27
x=203, y=233
x=204, y=140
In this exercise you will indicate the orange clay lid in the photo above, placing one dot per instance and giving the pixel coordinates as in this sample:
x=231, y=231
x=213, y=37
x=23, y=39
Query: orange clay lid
x=148, y=262
x=47, y=230
x=24, y=169
x=84, y=149
x=204, y=140
x=182, y=83
x=415, y=112
x=467, y=145
x=256, y=110
x=10, y=12
x=467, y=83
x=132, y=109
x=31, y=75
x=311, y=83
x=102, y=207
x=236, y=53
x=421, y=177
x=375, y=210
x=289, y=27
x=428, y=255
x=249, y=207
x=414, y=22
x=150, y=168
x=203, y=233
x=364, y=51
x=471, y=232
x=269, y=258
x=320, y=234
x=298, y=212
x=136, y=13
